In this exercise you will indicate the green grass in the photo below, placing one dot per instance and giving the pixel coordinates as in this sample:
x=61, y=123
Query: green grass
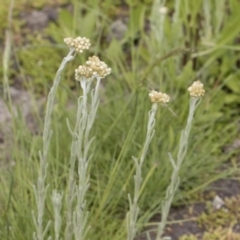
x=195, y=44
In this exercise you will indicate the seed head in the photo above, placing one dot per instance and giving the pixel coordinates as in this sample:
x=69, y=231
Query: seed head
x=158, y=97
x=79, y=43
x=93, y=67
x=196, y=89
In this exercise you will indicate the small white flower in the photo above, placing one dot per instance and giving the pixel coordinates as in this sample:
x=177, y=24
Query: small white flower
x=93, y=67
x=79, y=43
x=163, y=10
x=158, y=97
x=196, y=89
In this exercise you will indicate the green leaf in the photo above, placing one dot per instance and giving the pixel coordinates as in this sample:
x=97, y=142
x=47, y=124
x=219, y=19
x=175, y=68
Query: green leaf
x=232, y=98
x=234, y=84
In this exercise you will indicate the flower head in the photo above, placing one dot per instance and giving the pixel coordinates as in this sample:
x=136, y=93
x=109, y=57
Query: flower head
x=163, y=10
x=79, y=43
x=196, y=89
x=83, y=70
x=158, y=97
x=93, y=67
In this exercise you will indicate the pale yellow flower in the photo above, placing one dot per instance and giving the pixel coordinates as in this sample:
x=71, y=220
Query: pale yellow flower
x=79, y=43
x=196, y=89
x=83, y=71
x=93, y=68
x=158, y=97
x=163, y=10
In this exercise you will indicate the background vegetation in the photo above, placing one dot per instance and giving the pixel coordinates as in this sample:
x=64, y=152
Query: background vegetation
x=194, y=40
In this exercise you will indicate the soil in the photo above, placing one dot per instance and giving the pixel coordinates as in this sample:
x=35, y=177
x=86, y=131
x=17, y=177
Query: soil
x=184, y=220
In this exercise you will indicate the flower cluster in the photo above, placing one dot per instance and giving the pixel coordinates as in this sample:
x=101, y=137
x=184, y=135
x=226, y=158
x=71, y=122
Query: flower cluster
x=93, y=67
x=158, y=97
x=79, y=43
x=196, y=89
x=163, y=10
